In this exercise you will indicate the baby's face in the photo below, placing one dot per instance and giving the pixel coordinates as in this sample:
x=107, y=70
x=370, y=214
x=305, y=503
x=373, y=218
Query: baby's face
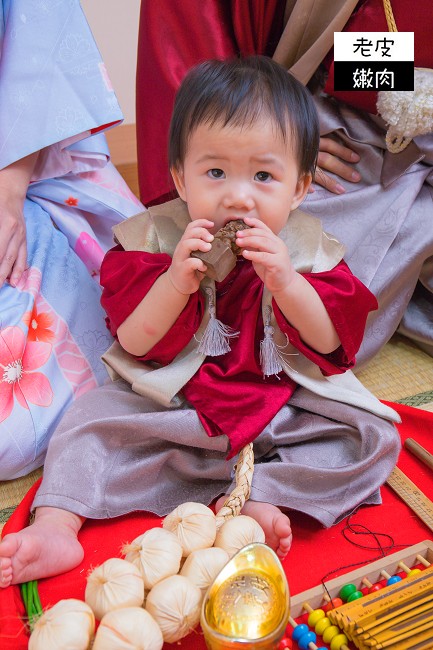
x=232, y=172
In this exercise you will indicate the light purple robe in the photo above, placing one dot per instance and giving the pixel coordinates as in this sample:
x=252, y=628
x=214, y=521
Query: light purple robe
x=54, y=91
x=386, y=223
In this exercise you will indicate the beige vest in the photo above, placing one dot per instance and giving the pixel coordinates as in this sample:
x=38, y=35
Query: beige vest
x=158, y=229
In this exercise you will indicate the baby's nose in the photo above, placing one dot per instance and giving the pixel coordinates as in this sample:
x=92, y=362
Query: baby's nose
x=239, y=199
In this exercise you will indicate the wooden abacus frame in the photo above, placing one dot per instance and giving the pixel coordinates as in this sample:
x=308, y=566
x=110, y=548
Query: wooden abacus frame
x=315, y=596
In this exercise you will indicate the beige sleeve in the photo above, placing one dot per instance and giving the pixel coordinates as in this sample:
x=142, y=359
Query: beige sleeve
x=309, y=34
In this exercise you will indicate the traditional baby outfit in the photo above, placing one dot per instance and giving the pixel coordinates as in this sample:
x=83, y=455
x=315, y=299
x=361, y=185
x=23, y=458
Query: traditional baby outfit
x=323, y=444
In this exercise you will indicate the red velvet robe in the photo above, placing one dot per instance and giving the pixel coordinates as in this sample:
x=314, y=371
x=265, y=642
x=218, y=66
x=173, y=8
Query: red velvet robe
x=229, y=392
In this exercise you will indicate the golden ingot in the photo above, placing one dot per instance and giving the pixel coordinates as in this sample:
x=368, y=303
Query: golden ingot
x=248, y=604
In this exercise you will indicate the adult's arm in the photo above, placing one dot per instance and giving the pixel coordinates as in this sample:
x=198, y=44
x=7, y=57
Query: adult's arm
x=307, y=38
x=54, y=90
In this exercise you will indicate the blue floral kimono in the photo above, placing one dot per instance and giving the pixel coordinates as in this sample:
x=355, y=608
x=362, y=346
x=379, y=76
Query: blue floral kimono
x=55, y=97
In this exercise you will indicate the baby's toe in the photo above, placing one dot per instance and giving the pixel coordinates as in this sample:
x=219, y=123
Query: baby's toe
x=5, y=565
x=282, y=526
x=6, y=577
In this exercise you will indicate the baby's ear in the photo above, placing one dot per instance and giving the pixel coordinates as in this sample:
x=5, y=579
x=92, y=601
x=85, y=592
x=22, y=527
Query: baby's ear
x=178, y=178
x=302, y=186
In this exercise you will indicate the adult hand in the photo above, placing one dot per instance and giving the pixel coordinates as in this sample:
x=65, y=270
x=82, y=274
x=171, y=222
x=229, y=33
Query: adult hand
x=333, y=157
x=14, y=181
x=13, y=246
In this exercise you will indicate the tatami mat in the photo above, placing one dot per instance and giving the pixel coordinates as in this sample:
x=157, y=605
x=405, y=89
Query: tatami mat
x=11, y=493
x=401, y=372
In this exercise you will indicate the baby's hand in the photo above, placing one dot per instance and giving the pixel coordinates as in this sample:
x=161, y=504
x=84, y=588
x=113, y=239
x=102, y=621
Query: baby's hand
x=268, y=253
x=186, y=272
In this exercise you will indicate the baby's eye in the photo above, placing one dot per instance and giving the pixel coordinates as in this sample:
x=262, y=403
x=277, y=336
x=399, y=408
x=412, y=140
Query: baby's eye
x=216, y=173
x=263, y=177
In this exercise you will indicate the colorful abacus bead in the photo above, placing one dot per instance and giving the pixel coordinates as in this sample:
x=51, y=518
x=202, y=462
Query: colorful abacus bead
x=407, y=570
x=298, y=631
x=372, y=587
x=390, y=580
x=330, y=632
x=355, y=596
x=285, y=643
x=321, y=626
x=333, y=636
x=347, y=591
x=332, y=604
x=339, y=642
x=305, y=639
x=314, y=615
x=318, y=619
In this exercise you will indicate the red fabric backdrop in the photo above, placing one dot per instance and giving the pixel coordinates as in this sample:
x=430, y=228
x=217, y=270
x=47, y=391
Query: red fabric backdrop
x=315, y=551
x=370, y=16
x=173, y=37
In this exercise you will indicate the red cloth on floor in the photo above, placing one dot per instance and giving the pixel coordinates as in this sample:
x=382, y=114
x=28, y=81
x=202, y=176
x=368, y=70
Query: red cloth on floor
x=315, y=551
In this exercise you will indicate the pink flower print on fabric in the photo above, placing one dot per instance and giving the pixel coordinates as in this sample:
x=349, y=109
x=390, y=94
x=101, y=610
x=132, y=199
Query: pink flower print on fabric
x=105, y=76
x=90, y=252
x=39, y=324
x=72, y=362
x=72, y=201
x=18, y=378
x=110, y=180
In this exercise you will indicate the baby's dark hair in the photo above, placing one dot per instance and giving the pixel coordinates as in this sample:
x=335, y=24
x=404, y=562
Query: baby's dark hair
x=237, y=92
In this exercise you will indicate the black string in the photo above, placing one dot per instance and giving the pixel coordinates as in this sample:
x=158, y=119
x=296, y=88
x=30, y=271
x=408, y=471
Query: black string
x=355, y=529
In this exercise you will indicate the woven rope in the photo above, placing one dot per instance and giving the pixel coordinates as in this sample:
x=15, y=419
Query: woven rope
x=243, y=475
x=392, y=27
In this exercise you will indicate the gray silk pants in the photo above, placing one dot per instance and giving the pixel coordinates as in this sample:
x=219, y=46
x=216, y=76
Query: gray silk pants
x=115, y=452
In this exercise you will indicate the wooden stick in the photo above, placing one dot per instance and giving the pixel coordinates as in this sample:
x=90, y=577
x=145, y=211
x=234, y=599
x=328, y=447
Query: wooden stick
x=417, y=450
x=408, y=640
x=412, y=496
x=377, y=606
x=422, y=604
x=409, y=620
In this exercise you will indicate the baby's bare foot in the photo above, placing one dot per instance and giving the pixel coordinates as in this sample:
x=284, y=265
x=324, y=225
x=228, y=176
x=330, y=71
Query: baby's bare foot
x=46, y=548
x=278, y=532
x=276, y=525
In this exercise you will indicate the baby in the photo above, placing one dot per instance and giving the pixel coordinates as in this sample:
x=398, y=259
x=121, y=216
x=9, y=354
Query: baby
x=263, y=355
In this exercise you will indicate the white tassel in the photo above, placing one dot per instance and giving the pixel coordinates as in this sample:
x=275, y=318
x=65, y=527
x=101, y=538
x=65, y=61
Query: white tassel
x=270, y=352
x=269, y=355
x=215, y=340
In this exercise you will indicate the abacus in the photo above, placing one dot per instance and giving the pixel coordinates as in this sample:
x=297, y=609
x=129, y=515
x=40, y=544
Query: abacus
x=386, y=605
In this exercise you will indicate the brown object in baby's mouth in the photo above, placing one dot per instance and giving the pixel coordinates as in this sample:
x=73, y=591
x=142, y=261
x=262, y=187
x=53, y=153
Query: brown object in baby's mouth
x=221, y=258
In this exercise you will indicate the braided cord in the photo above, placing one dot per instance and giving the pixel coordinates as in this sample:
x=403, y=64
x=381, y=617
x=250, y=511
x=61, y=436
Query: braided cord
x=392, y=27
x=243, y=475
